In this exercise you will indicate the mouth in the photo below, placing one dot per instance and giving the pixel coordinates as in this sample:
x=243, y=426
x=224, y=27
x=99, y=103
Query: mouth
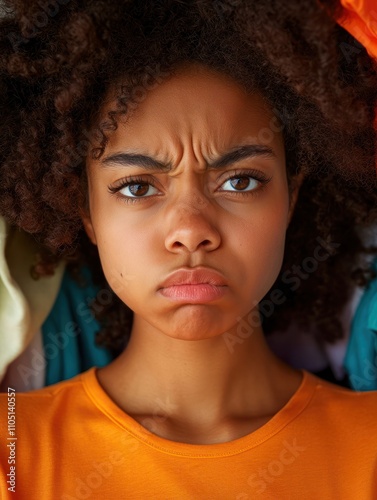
x=194, y=286
x=193, y=294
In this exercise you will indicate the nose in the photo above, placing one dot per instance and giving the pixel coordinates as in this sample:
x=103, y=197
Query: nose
x=190, y=227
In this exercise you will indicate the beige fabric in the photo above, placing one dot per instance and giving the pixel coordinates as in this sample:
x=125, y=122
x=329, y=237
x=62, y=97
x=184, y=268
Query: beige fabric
x=24, y=302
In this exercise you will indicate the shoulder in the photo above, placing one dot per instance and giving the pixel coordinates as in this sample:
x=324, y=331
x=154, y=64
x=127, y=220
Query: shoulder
x=46, y=399
x=342, y=406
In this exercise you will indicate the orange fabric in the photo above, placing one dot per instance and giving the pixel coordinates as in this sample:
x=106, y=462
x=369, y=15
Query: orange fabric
x=73, y=442
x=360, y=19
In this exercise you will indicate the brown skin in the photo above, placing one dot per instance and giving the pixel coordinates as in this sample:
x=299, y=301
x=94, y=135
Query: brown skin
x=177, y=365
x=50, y=91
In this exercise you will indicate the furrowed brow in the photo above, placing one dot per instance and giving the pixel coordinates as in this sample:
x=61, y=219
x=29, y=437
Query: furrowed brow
x=240, y=153
x=137, y=160
x=149, y=163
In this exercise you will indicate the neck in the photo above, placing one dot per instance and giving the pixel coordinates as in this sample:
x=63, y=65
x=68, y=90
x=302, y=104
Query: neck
x=199, y=384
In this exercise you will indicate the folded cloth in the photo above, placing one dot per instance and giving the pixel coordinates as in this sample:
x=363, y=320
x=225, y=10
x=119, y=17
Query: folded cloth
x=361, y=356
x=24, y=301
x=359, y=17
x=27, y=371
x=70, y=329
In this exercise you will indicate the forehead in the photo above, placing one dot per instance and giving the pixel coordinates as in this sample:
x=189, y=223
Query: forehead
x=193, y=104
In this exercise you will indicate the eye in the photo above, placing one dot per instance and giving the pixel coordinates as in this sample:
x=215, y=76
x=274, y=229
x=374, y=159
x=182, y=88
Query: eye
x=244, y=182
x=133, y=189
x=240, y=183
x=138, y=190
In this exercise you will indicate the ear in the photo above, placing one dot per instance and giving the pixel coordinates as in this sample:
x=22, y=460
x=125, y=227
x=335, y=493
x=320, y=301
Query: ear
x=88, y=226
x=294, y=191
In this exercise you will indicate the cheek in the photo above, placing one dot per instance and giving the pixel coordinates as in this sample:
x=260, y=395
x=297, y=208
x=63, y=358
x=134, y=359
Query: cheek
x=265, y=240
x=126, y=248
x=263, y=245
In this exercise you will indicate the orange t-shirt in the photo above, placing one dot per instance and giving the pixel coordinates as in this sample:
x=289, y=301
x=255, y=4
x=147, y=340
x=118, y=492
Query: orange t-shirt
x=74, y=442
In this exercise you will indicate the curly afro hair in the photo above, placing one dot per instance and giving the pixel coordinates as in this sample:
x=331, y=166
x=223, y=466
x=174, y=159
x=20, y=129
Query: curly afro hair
x=61, y=57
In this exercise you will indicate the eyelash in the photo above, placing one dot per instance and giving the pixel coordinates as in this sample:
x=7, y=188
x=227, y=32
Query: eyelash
x=128, y=181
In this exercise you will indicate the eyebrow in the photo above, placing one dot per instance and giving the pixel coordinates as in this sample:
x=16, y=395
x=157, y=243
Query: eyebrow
x=236, y=154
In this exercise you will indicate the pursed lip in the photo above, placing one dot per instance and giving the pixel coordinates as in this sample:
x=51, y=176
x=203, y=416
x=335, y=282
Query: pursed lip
x=194, y=276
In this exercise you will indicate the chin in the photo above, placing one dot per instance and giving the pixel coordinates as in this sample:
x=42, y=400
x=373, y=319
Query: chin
x=191, y=336
x=195, y=322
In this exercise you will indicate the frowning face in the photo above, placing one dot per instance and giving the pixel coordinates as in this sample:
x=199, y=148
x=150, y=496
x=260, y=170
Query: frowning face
x=189, y=206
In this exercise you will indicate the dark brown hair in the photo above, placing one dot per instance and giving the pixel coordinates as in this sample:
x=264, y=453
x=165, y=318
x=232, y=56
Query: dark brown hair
x=59, y=60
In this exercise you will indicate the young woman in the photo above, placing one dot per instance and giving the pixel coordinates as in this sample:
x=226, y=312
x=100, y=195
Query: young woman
x=225, y=167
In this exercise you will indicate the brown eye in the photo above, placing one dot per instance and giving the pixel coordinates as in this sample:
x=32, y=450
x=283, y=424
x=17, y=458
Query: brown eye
x=240, y=183
x=139, y=189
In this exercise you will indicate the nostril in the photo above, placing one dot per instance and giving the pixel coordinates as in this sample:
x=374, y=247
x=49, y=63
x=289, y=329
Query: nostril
x=179, y=244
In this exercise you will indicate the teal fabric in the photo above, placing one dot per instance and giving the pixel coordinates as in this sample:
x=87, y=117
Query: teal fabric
x=361, y=356
x=69, y=332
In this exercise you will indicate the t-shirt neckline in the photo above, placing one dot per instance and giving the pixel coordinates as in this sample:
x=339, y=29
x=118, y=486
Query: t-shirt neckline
x=293, y=408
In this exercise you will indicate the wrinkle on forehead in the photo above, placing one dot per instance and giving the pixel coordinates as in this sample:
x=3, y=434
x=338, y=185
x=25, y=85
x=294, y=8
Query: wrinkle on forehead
x=195, y=114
